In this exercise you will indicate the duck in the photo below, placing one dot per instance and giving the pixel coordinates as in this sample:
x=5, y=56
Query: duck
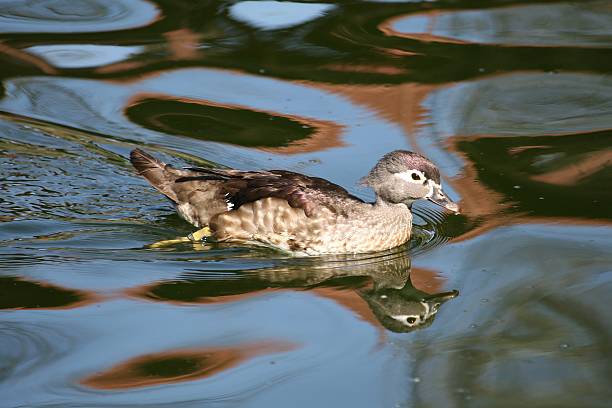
x=296, y=213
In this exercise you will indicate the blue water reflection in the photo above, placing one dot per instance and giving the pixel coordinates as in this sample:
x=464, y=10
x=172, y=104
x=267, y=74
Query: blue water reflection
x=57, y=16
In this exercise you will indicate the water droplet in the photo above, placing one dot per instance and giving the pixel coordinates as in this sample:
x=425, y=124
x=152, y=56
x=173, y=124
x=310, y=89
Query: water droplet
x=484, y=300
x=564, y=345
x=540, y=198
x=517, y=187
x=416, y=379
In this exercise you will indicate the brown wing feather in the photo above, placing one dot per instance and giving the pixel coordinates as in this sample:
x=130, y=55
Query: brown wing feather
x=298, y=190
x=202, y=193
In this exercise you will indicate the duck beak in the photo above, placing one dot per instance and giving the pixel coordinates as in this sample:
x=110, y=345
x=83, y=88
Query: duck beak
x=441, y=297
x=437, y=196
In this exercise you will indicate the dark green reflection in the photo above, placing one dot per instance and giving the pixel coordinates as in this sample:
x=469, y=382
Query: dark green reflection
x=20, y=294
x=560, y=176
x=220, y=124
x=170, y=366
x=203, y=290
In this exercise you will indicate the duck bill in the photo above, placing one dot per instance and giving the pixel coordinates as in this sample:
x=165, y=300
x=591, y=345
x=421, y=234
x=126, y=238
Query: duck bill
x=440, y=198
x=441, y=297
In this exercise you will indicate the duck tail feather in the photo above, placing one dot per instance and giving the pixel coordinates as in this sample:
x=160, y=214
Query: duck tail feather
x=156, y=172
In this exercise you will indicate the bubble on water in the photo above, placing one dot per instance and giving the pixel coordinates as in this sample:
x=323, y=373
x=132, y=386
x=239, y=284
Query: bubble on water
x=416, y=379
x=484, y=300
x=564, y=345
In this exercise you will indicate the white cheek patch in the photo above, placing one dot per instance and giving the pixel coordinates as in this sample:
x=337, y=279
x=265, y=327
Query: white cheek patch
x=428, y=313
x=404, y=319
x=407, y=176
x=432, y=187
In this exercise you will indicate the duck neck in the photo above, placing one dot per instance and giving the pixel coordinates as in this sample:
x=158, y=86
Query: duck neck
x=382, y=203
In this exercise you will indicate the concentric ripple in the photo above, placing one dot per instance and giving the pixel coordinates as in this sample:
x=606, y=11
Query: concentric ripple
x=24, y=347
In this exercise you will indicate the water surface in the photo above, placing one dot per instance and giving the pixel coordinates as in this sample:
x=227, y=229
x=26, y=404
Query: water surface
x=510, y=299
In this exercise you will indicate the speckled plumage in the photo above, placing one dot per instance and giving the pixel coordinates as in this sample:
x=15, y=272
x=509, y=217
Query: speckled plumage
x=285, y=210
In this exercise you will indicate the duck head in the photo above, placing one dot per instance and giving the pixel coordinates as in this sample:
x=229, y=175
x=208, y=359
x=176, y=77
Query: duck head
x=404, y=177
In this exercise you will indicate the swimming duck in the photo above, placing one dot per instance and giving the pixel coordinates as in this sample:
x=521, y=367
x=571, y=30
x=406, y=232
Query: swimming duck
x=296, y=213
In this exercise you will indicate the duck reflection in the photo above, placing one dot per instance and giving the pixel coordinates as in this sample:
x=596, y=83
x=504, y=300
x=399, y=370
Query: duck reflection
x=378, y=289
x=407, y=308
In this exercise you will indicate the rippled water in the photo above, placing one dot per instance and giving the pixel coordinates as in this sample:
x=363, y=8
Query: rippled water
x=511, y=99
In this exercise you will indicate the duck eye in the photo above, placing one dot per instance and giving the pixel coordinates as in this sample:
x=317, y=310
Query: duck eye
x=411, y=320
x=415, y=176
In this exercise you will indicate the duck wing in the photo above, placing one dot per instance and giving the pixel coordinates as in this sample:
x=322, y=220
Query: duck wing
x=300, y=191
x=200, y=193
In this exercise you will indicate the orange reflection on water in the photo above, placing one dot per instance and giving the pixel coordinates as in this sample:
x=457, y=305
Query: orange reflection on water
x=179, y=365
x=367, y=69
x=427, y=280
x=476, y=199
x=402, y=104
x=28, y=59
x=183, y=44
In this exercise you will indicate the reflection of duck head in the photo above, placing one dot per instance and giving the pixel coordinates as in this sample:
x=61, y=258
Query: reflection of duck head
x=383, y=283
x=396, y=303
x=405, y=309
